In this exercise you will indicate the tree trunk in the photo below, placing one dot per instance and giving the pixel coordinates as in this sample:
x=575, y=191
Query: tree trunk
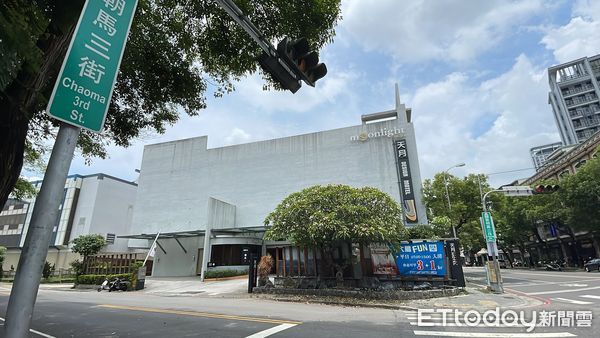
x=20, y=102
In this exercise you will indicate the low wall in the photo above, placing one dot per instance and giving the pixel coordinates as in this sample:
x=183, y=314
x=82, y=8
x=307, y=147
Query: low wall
x=365, y=294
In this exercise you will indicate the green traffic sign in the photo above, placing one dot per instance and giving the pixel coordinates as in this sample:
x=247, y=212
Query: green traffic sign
x=488, y=227
x=84, y=87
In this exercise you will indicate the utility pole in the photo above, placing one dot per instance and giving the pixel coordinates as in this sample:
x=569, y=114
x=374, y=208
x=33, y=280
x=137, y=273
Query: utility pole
x=45, y=213
x=448, y=194
x=490, y=238
x=76, y=112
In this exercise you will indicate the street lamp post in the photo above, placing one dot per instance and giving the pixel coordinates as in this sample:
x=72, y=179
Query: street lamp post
x=448, y=194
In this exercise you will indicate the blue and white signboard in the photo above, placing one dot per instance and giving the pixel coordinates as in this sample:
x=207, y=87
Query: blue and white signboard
x=421, y=258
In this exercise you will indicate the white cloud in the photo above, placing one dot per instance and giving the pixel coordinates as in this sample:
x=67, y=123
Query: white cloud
x=237, y=136
x=419, y=30
x=329, y=89
x=446, y=111
x=579, y=37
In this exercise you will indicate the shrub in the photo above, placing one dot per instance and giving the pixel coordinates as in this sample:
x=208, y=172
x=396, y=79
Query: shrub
x=48, y=269
x=99, y=279
x=77, y=267
x=223, y=273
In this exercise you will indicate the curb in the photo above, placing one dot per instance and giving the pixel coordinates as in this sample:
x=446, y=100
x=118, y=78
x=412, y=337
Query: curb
x=341, y=303
x=225, y=278
x=545, y=301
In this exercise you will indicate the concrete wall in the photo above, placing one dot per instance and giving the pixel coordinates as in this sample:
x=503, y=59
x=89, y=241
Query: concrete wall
x=60, y=258
x=176, y=262
x=105, y=206
x=178, y=178
x=220, y=214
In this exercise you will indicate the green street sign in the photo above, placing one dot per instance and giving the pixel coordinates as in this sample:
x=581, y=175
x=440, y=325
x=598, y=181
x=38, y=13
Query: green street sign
x=84, y=87
x=488, y=227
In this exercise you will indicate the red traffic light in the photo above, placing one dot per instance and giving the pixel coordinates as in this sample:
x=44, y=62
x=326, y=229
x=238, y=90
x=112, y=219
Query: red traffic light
x=545, y=188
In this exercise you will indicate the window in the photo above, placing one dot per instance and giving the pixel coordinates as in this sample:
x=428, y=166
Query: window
x=110, y=238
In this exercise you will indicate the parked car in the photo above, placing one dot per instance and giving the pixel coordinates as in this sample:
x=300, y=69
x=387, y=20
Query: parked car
x=503, y=264
x=592, y=265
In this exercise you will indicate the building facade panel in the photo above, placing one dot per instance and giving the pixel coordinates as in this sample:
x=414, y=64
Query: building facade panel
x=179, y=178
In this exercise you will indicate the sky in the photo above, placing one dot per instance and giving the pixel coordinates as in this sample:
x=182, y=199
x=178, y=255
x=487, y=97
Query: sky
x=473, y=72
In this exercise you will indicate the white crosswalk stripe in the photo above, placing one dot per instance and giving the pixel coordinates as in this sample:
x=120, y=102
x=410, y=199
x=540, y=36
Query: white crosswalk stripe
x=591, y=296
x=572, y=301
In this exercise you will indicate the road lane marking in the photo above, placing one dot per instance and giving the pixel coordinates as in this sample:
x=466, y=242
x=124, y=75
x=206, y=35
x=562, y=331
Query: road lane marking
x=563, y=275
x=545, y=282
x=590, y=296
x=493, y=335
x=572, y=301
x=272, y=331
x=562, y=291
x=34, y=331
x=199, y=314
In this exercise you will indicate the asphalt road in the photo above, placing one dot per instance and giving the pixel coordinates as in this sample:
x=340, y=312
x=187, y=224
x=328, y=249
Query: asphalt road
x=135, y=314
x=561, y=289
x=92, y=314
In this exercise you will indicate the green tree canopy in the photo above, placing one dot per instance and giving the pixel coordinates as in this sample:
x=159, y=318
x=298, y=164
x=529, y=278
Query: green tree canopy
x=87, y=245
x=465, y=200
x=325, y=216
x=581, y=196
x=177, y=53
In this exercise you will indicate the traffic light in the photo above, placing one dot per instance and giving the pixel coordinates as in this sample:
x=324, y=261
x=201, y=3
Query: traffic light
x=545, y=188
x=302, y=61
x=280, y=74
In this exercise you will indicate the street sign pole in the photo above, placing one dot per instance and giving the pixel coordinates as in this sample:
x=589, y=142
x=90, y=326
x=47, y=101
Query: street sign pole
x=80, y=99
x=45, y=213
x=495, y=280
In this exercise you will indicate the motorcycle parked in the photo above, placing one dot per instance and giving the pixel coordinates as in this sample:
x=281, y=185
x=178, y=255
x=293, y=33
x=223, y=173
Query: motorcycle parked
x=117, y=284
x=553, y=266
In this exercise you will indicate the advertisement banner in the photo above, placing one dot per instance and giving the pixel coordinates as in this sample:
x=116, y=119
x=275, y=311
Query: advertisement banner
x=405, y=181
x=421, y=258
x=383, y=260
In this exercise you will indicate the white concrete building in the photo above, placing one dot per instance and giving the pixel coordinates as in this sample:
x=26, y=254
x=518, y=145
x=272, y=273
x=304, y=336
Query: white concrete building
x=541, y=154
x=574, y=95
x=92, y=204
x=186, y=190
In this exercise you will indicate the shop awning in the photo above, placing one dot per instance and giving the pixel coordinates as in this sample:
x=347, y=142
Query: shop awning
x=196, y=233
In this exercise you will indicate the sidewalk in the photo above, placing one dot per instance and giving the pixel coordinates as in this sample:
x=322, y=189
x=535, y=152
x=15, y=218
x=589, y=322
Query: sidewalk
x=191, y=286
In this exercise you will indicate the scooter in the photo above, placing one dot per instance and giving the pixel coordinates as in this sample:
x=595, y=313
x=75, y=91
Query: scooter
x=104, y=286
x=116, y=284
x=119, y=284
x=553, y=267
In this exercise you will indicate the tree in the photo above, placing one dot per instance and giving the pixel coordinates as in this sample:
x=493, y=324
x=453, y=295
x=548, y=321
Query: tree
x=326, y=217
x=177, y=51
x=465, y=196
x=87, y=245
x=581, y=195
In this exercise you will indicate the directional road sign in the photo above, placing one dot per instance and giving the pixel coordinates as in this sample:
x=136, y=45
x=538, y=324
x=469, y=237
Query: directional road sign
x=488, y=227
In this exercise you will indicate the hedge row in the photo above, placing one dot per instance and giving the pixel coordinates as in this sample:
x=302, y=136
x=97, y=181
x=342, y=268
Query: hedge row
x=223, y=273
x=99, y=279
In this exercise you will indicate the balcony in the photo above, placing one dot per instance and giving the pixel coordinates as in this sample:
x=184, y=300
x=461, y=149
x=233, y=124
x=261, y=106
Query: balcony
x=572, y=92
x=580, y=125
x=594, y=109
x=567, y=78
x=577, y=101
